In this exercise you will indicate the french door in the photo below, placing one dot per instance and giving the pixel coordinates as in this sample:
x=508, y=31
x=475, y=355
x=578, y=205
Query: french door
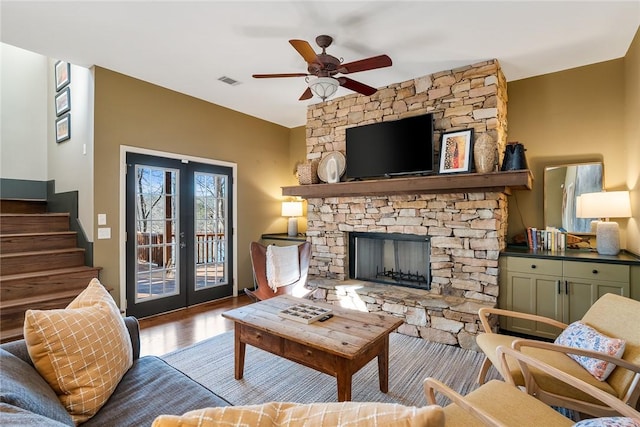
x=179, y=234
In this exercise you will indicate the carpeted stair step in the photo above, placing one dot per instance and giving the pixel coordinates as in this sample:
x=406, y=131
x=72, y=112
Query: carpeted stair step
x=28, y=242
x=26, y=262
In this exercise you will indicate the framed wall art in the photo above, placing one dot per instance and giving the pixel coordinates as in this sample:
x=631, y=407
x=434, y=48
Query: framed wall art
x=456, y=151
x=63, y=128
x=62, y=74
x=63, y=101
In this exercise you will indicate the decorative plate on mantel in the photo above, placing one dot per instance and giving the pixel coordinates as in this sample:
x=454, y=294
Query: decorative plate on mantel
x=324, y=172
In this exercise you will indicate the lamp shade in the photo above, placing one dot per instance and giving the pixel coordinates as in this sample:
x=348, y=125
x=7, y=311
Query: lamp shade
x=323, y=87
x=606, y=204
x=292, y=209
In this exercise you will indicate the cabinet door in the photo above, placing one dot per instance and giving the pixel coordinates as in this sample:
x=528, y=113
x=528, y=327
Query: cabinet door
x=582, y=293
x=534, y=294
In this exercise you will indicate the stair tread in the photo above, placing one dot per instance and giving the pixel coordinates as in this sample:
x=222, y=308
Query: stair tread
x=39, y=298
x=40, y=253
x=55, y=272
x=35, y=214
x=44, y=233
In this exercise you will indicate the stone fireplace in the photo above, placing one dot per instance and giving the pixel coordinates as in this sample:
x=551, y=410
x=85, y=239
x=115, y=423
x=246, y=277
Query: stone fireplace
x=465, y=230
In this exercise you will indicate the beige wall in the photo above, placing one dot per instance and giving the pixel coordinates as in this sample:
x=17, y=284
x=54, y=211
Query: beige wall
x=632, y=138
x=572, y=116
x=135, y=113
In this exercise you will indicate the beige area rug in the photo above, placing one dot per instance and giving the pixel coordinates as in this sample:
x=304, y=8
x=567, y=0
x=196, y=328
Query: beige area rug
x=271, y=378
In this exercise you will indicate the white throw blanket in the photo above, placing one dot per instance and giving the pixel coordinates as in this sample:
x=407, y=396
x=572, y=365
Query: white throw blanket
x=283, y=265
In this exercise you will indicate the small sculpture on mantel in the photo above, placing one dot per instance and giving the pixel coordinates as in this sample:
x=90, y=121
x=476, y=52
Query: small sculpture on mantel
x=514, y=158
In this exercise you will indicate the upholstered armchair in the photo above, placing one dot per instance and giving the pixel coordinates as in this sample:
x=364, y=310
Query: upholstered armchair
x=612, y=316
x=263, y=289
x=498, y=403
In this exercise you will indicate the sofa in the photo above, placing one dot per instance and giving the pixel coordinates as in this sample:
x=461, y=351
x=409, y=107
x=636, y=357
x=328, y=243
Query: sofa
x=148, y=389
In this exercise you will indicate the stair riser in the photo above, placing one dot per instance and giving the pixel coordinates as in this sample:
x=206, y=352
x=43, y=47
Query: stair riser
x=30, y=286
x=14, y=316
x=37, y=262
x=23, y=206
x=34, y=224
x=29, y=243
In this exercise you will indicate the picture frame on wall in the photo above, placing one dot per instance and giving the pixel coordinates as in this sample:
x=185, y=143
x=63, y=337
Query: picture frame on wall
x=456, y=151
x=63, y=101
x=62, y=74
x=63, y=128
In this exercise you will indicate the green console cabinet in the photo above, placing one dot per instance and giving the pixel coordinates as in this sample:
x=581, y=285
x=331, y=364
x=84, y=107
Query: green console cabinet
x=561, y=287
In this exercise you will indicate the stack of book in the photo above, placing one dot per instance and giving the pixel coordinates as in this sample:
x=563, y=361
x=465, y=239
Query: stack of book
x=549, y=239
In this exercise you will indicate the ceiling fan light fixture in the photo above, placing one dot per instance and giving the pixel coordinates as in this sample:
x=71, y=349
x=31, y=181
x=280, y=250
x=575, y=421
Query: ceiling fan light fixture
x=323, y=87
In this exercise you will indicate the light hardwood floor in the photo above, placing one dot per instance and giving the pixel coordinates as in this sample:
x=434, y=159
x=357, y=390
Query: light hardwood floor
x=167, y=332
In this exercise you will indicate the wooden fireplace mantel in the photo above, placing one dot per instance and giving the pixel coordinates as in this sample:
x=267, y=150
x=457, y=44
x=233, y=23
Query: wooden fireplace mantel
x=436, y=184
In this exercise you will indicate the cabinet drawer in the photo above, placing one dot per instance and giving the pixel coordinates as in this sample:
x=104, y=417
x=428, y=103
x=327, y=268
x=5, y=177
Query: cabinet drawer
x=596, y=270
x=548, y=267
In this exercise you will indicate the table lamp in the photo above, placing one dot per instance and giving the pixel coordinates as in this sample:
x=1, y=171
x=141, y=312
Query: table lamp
x=607, y=204
x=292, y=210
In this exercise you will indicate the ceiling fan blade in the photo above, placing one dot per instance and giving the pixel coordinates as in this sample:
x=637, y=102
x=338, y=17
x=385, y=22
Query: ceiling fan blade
x=372, y=63
x=268, y=76
x=307, y=94
x=357, y=86
x=304, y=48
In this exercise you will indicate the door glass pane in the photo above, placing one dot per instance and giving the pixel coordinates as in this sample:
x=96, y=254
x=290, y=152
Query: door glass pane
x=210, y=225
x=156, y=226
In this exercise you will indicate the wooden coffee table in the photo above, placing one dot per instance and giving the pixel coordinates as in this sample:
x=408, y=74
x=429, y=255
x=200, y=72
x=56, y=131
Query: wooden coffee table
x=339, y=346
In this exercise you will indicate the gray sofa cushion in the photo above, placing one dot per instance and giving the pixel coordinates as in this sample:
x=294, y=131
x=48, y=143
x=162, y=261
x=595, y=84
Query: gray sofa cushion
x=14, y=416
x=22, y=387
x=151, y=388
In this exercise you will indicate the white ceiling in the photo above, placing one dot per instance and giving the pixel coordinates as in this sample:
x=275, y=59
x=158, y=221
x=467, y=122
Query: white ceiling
x=187, y=45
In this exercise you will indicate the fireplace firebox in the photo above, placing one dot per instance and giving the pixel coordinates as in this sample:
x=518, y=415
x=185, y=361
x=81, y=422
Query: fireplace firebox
x=391, y=258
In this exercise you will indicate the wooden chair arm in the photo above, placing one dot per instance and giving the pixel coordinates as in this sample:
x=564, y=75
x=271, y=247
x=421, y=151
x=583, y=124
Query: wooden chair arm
x=484, y=313
x=525, y=361
x=431, y=385
x=519, y=343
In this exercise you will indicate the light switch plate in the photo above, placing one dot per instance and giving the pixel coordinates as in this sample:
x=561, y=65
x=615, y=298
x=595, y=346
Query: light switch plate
x=104, y=233
x=102, y=219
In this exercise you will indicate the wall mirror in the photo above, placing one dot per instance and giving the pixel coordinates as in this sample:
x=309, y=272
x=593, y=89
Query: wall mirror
x=562, y=185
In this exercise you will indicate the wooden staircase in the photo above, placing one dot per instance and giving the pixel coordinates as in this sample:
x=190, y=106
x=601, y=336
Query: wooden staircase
x=41, y=266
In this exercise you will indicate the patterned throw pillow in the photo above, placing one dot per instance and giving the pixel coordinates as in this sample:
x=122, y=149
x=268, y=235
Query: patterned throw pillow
x=609, y=422
x=285, y=414
x=582, y=336
x=81, y=351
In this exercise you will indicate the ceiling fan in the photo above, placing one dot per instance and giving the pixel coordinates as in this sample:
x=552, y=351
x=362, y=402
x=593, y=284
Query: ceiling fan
x=325, y=67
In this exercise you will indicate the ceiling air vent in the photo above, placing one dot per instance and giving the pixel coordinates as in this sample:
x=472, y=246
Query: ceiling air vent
x=229, y=80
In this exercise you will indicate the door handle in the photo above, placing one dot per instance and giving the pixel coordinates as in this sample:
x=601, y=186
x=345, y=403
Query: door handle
x=182, y=242
x=558, y=284
x=566, y=287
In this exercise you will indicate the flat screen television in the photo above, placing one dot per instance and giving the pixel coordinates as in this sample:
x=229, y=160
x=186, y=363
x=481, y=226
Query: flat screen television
x=385, y=149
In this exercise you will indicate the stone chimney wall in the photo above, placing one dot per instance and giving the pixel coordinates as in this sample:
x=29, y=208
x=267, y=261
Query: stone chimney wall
x=468, y=229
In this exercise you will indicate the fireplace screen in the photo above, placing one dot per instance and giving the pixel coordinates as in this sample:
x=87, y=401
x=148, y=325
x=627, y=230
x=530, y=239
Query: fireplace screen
x=393, y=258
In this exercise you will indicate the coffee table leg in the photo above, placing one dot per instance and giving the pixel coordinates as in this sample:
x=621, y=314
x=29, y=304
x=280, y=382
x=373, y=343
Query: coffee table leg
x=240, y=348
x=343, y=377
x=383, y=366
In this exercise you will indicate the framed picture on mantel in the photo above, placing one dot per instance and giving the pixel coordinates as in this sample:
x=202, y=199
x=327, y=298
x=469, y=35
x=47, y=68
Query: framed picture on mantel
x=455, y=151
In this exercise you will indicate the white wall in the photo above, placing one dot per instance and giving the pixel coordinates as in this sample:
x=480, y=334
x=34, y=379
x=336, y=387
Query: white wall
x=23, y=116
x=28, y=149
x=70, y=163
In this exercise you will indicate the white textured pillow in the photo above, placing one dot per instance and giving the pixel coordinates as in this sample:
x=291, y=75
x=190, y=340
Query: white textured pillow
x=582, y=336
x=609, y=422
x=82, y=351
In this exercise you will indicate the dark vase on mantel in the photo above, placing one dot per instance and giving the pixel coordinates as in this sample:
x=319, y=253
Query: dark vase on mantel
x=514, y=158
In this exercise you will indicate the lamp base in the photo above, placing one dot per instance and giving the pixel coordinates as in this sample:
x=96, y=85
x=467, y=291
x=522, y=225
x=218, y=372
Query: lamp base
x=608, y=238
x=292, y=228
